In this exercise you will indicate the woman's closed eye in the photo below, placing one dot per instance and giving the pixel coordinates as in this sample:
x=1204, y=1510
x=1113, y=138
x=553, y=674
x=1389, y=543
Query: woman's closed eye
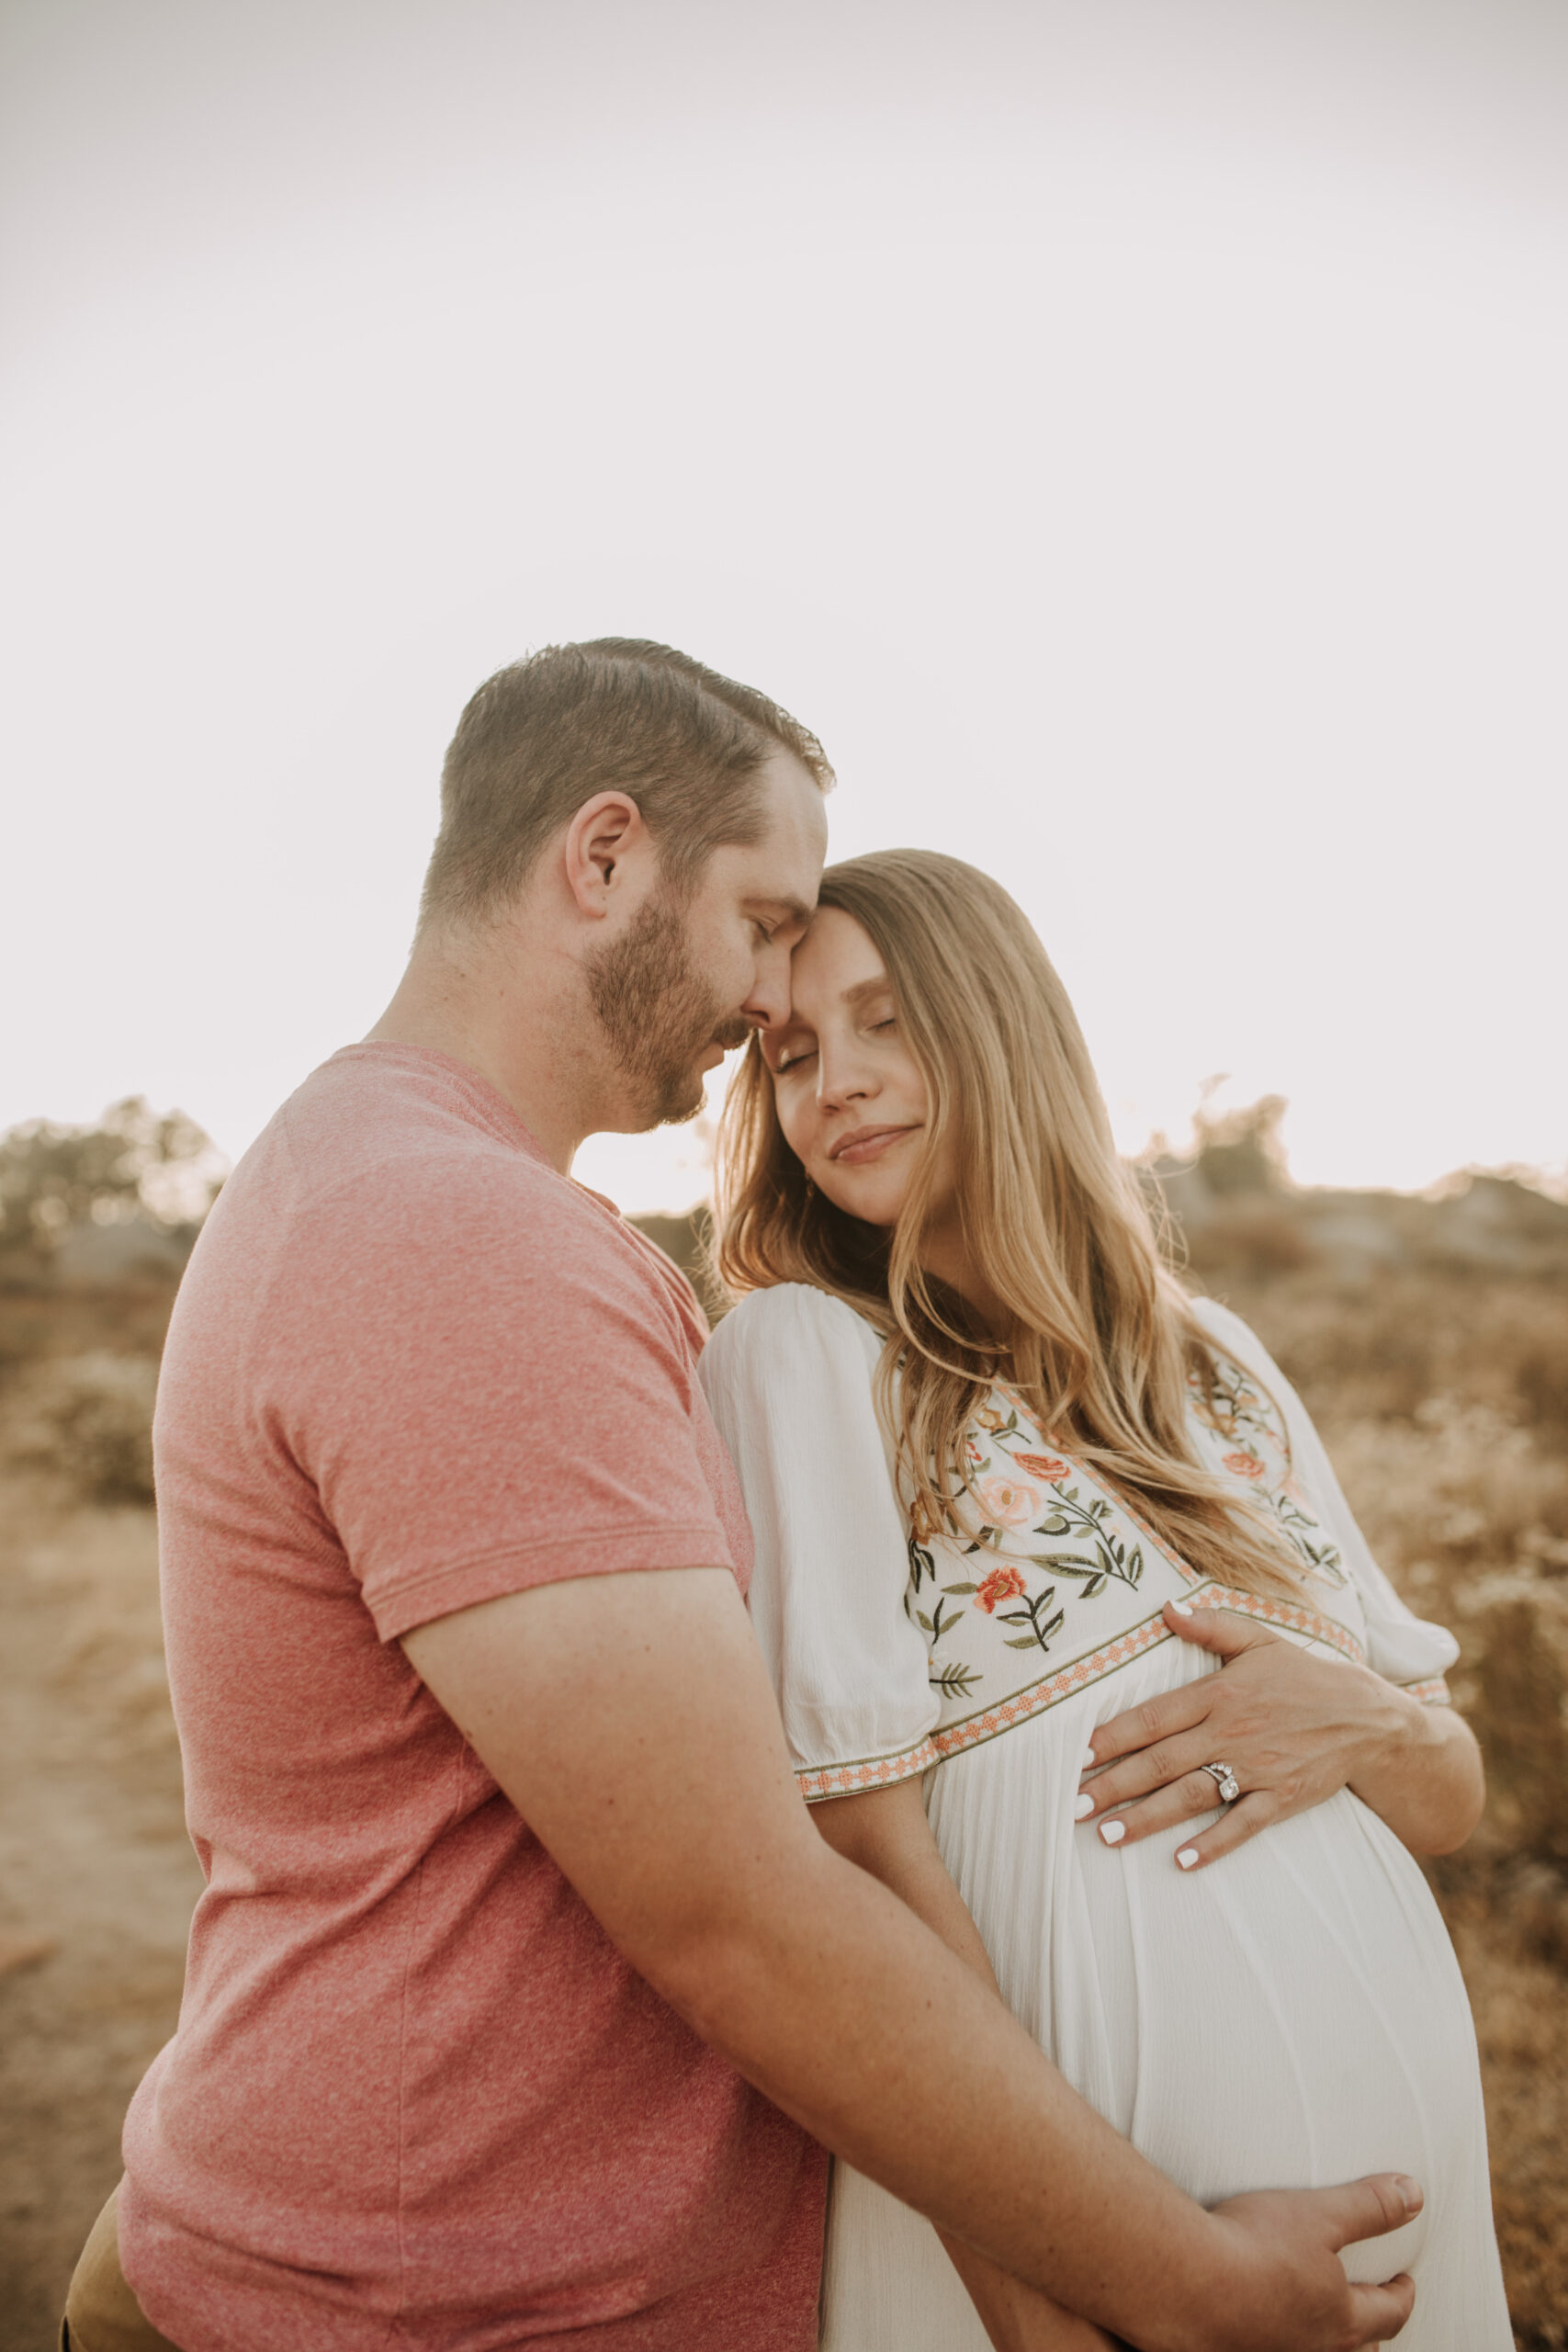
x=791, y=1059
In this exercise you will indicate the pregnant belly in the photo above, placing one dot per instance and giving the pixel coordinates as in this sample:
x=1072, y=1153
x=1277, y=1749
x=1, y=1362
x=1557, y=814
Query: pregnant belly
x=1291, y=2016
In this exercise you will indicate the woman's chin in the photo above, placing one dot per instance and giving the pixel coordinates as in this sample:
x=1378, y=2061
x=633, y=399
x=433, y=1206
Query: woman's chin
x=868, y=1202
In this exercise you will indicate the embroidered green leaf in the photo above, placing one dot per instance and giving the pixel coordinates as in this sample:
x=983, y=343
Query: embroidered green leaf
x=1026, y=1642
x=924, y=1619
x=961, y=1587
x=943, y=1625
x=954, y=1681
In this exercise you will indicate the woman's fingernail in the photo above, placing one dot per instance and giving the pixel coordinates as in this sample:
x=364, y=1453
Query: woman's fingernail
x=1084, y=1807
x=1183, y=1608
x=1411, y=2191
x=1114, y=1832
x=1188, y=1858
x=1086, y=1763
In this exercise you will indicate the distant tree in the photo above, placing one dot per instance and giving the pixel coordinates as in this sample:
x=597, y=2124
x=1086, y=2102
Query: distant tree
x=1240, y=1151
x=134, y=1163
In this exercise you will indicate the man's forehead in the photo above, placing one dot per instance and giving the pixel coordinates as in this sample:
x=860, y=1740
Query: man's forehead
x=796, y=807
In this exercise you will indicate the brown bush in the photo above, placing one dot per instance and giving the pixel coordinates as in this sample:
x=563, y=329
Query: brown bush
x=88, y=1421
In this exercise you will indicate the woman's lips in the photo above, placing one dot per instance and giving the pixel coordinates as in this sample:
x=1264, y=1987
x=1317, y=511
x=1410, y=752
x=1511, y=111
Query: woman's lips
x=869, y=1144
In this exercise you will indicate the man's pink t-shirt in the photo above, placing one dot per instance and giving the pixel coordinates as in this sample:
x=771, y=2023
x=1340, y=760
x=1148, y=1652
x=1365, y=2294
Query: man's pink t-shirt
x=417, y=2097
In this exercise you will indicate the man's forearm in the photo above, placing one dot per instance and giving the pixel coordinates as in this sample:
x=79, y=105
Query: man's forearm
x=884, y=1832
x=642, y=1745
x=842, y=2008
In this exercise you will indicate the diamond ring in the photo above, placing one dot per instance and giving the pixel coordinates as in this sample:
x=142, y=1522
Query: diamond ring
x=1224, y=1780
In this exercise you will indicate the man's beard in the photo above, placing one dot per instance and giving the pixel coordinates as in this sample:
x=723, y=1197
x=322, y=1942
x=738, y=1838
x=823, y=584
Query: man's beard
x=659, y=1014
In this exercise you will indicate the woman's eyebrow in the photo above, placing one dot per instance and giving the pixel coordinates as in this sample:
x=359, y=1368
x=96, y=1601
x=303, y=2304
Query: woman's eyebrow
x=863, y=991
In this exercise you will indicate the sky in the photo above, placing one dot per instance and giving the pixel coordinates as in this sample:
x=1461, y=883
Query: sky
x=1129, y=432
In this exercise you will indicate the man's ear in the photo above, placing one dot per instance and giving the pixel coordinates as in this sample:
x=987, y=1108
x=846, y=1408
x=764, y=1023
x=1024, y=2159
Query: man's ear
x=597, y=843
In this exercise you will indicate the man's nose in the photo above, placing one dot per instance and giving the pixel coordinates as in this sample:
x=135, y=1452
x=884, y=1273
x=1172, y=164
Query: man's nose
x=768, y=1004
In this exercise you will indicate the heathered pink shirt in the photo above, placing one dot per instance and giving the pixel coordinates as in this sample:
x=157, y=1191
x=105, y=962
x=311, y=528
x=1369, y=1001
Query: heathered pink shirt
x=416, y=2096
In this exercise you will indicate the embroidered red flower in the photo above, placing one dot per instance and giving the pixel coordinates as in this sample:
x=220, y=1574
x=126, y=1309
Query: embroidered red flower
x=1243, y=1465
x=1002, y=1584
x=1048, y=1466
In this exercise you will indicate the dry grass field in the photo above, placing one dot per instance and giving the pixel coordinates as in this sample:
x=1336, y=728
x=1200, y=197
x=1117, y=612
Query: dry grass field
x=1431, y=1341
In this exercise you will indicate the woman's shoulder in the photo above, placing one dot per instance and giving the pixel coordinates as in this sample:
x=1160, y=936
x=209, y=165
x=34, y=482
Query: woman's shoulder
x=1224, y=1328
x=790, y=1324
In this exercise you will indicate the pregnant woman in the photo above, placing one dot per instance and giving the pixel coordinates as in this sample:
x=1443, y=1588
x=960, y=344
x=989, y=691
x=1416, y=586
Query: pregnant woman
x=1064, y=1606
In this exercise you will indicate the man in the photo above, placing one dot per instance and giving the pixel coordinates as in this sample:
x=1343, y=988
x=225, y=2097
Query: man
x=522, y=1976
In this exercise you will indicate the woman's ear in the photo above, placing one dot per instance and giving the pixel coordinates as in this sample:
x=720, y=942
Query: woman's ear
x=598, y=840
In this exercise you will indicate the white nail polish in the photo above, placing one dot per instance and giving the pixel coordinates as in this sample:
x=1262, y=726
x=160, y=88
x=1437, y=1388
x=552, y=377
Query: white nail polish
x=1114, y=1832
x=1183, y=1608
x=1086, y=1762
x=1084, y=1807
x=1188, y=1857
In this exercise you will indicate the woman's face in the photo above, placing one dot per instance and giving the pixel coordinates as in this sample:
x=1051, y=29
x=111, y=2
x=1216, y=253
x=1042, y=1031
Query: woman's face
x=850, y=1098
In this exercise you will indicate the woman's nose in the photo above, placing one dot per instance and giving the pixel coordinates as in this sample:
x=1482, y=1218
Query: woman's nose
x=841, y=1078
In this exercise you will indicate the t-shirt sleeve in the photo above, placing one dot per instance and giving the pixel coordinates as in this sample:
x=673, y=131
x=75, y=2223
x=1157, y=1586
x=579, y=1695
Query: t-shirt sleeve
x=789, y=1377
x=493, y=1391
x=1400, y=1647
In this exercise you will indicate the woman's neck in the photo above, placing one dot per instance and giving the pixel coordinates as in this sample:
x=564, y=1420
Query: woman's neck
x=946, y=1254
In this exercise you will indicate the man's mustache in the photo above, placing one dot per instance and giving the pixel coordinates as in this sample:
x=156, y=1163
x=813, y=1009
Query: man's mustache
x=732, y=1034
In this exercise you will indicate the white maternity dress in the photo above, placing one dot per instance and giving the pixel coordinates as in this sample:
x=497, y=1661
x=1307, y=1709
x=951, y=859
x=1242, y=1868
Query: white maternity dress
x=1288, y=2017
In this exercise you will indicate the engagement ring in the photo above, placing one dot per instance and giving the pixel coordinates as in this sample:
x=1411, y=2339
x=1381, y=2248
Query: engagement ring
x=1224, y=1780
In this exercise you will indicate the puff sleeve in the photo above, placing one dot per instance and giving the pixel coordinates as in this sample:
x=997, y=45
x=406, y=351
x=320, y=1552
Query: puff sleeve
x=788, y=1377
x=1400, y=1647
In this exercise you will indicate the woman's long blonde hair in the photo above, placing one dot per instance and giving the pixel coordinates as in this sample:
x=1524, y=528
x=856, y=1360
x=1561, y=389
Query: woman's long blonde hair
x=1103, y=1339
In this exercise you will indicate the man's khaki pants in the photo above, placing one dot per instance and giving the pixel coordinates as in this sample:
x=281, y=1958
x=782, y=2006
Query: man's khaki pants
x=101, y=2312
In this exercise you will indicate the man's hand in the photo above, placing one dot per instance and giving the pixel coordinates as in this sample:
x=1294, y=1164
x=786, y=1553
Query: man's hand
x=630, y=1721
x=1311, y=2228
x=1294, y=1727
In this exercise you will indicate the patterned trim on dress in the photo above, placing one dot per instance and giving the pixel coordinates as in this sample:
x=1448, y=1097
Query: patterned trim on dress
x=1310, y=1622
x=1435, y=1693
x=952, y=1739
x=817, y=1781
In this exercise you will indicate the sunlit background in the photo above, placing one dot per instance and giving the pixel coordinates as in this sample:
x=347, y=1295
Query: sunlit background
x=1132, y=433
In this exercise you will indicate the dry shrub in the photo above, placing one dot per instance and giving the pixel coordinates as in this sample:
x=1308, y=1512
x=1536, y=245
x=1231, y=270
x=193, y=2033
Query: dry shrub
x=1444, y=1402
x=1521, y=2025
x=88, y=1421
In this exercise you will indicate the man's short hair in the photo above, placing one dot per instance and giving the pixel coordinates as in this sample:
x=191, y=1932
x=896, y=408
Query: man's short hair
x=618, y=714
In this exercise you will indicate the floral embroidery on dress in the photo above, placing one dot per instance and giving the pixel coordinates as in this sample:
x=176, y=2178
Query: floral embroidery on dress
x=1236, y=1414
x=1002, y=1584
x=1042, y=1561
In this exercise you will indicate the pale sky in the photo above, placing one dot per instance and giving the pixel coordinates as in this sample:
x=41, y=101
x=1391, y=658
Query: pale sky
x=1130, y=432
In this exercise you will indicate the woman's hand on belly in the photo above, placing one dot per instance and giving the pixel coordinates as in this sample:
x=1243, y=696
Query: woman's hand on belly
x=1294, y=1727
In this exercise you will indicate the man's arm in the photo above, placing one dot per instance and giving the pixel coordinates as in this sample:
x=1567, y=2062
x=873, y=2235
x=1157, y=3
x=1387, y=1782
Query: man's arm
x=885, y=1831
x=630, y=1721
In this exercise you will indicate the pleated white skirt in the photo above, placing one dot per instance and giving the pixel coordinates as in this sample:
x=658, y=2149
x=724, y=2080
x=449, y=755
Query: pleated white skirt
x=1288, y=2017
